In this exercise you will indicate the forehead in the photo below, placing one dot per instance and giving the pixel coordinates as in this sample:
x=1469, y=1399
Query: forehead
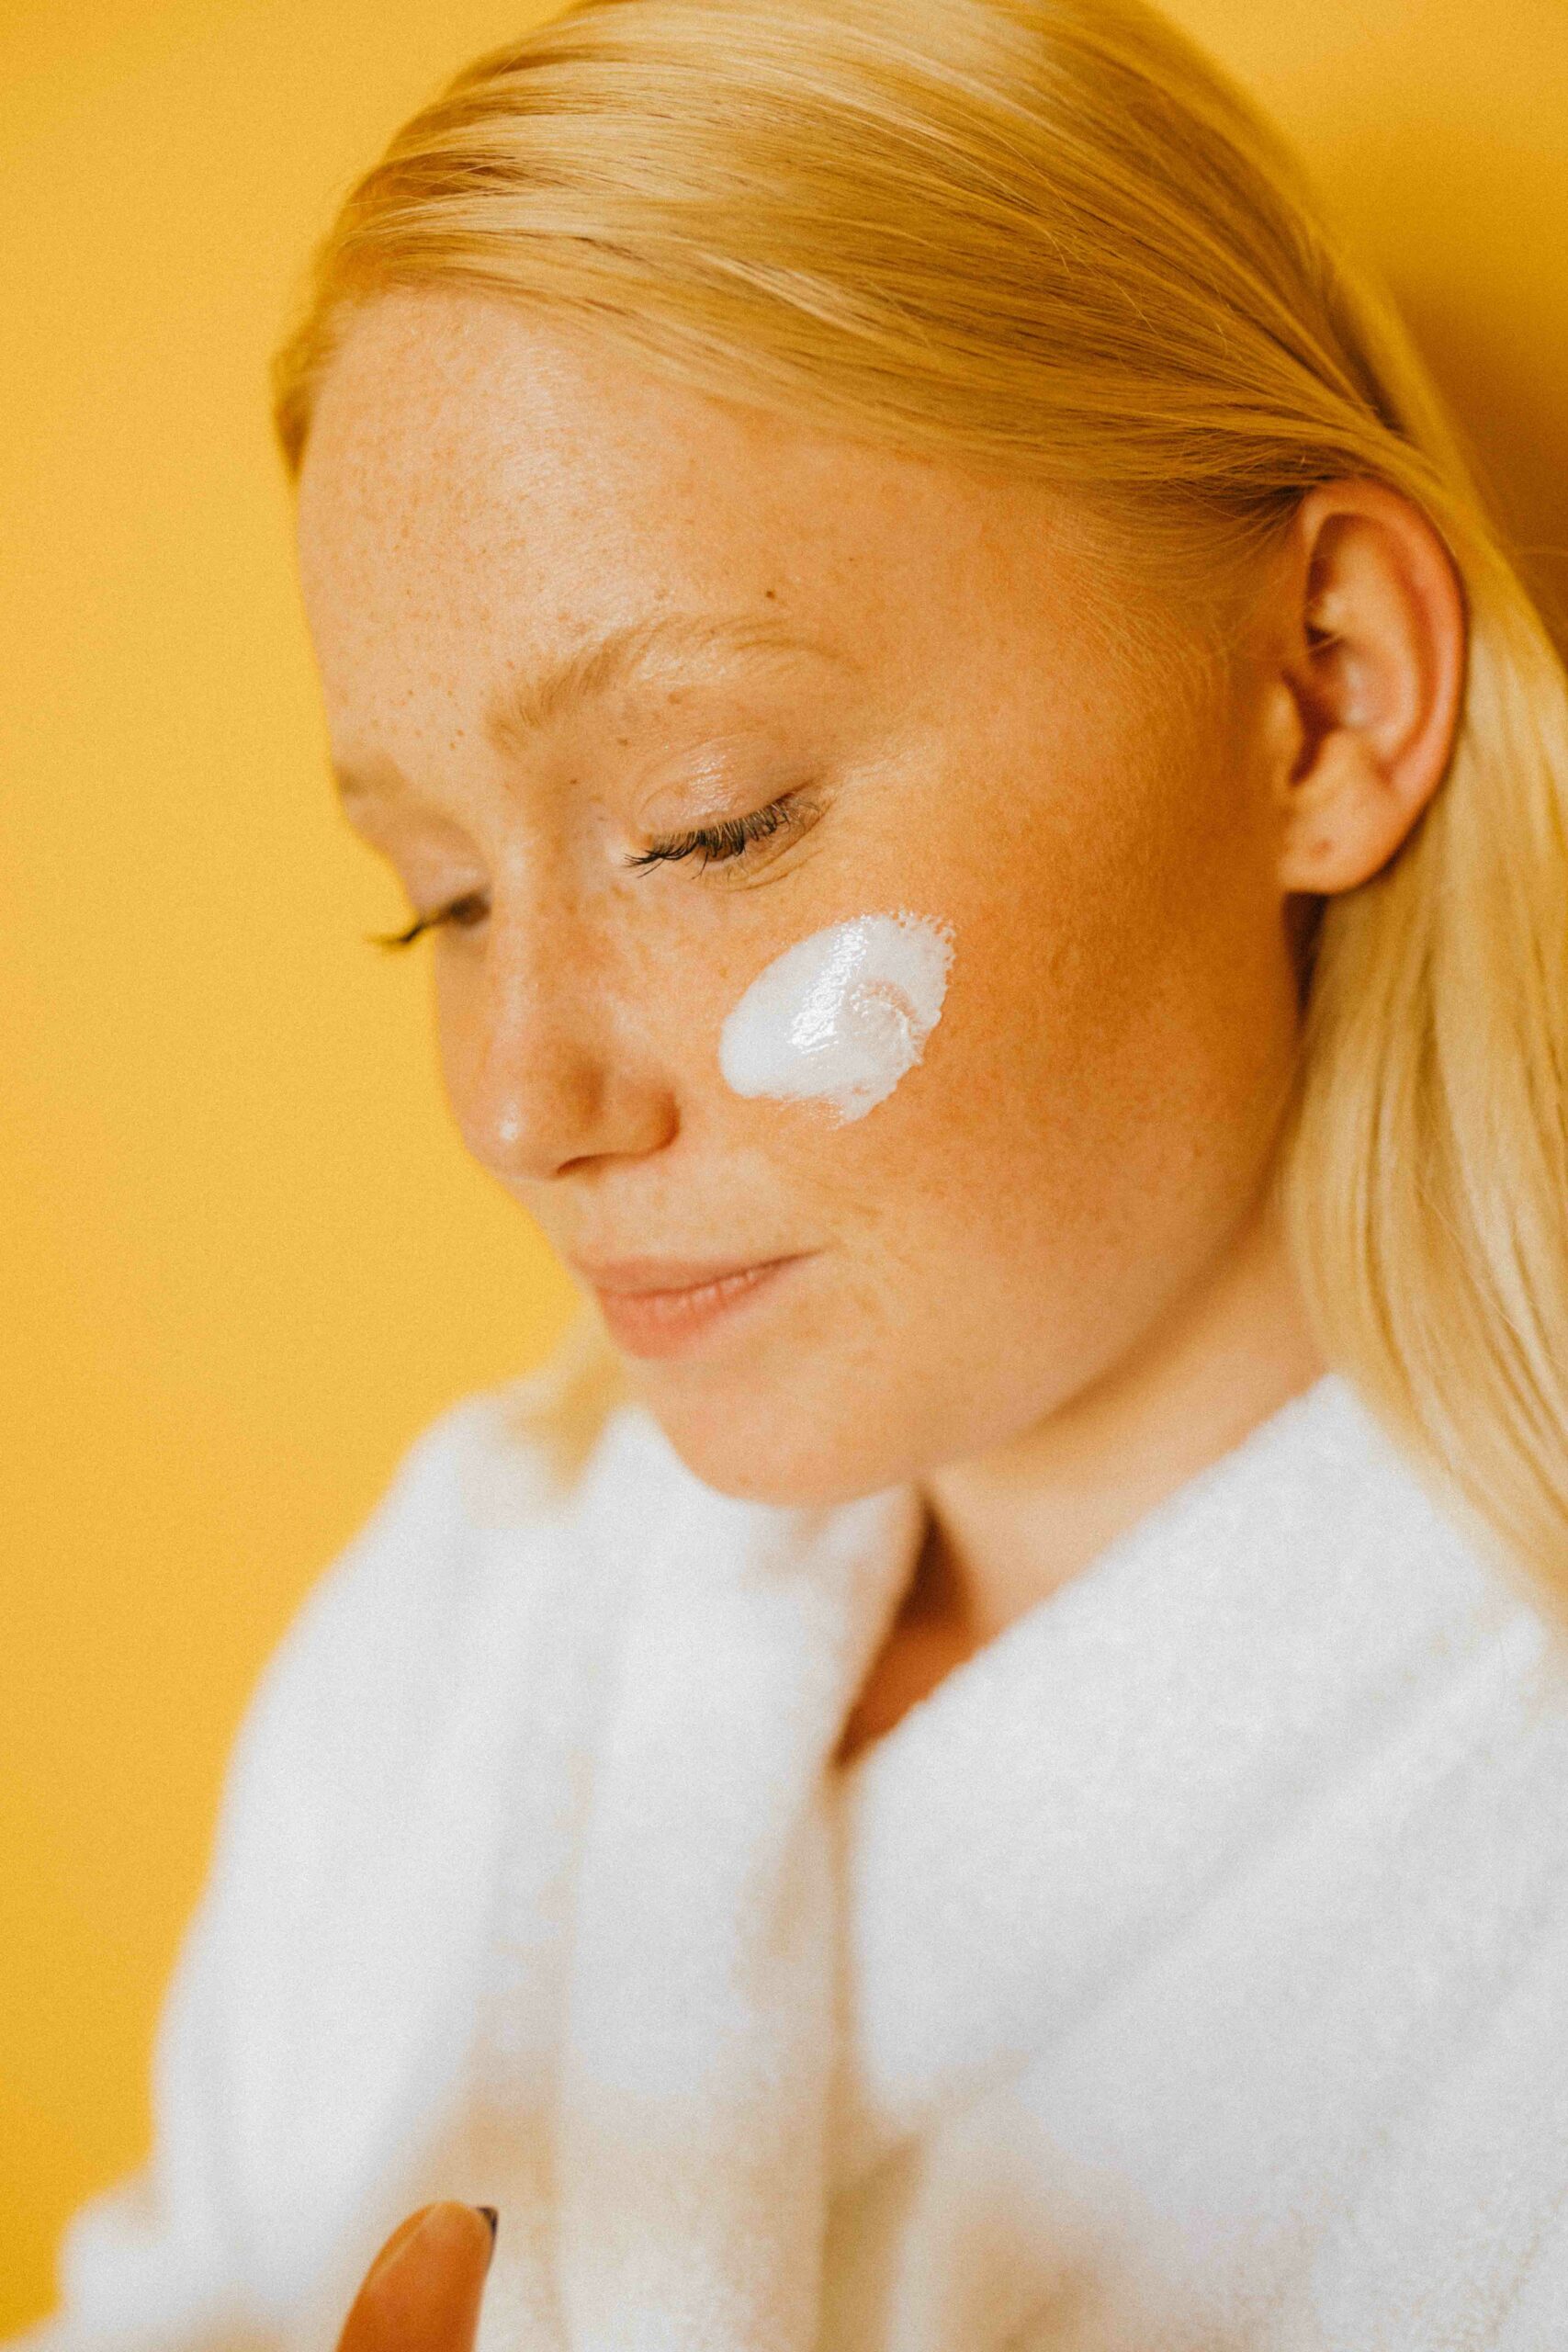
x=466, y=452
x=455, y=429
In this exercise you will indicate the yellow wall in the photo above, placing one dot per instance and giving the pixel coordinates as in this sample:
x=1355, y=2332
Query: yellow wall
x=244, y=1260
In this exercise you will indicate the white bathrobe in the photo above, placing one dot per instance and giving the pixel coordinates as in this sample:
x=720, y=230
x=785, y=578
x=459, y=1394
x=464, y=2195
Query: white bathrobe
x=1189, y=1970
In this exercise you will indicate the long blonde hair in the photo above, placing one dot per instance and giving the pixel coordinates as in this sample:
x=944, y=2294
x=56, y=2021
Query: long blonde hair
x=1048, y=235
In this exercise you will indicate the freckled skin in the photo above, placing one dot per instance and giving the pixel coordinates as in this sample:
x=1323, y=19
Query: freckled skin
x=1051, y=1225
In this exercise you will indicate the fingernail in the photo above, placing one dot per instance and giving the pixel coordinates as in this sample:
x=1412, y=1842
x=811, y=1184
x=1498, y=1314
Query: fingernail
x=494, y=2217
x=400, y=2239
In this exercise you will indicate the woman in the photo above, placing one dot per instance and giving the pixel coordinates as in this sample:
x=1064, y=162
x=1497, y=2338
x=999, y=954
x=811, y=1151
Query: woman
x=982, y=1763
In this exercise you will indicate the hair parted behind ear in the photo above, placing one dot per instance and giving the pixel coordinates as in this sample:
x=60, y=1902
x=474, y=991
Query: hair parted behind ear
x=1048, y=235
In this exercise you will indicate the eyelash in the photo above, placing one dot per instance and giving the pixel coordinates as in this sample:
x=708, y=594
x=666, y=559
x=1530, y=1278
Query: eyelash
x=426, y=922
x=728, y=842
x=721, y=844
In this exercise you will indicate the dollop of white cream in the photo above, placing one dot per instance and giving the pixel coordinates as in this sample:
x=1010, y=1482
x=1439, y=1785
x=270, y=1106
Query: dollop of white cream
x=840, y=1016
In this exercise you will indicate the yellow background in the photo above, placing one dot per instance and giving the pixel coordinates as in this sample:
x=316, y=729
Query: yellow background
x=244, y=1260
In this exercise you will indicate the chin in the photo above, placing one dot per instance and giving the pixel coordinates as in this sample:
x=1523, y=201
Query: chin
x=762, y=1451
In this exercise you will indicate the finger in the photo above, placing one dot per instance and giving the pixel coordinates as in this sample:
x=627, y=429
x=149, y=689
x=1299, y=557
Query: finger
x=422, y=2291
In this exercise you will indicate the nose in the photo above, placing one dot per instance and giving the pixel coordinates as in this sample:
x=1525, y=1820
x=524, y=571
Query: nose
x=545, y=1054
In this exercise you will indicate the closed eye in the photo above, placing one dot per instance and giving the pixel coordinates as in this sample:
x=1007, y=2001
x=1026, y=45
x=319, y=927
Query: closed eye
x=464, y=912
x=730, y=841
x=734, y=838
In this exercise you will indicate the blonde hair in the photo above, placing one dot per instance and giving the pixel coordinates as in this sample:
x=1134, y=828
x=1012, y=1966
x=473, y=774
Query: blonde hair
x=1047, y=235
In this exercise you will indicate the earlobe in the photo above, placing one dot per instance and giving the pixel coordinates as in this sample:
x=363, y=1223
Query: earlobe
x=1374, y=636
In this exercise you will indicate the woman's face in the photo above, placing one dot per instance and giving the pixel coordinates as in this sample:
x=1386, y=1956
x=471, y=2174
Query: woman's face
x=911, y=660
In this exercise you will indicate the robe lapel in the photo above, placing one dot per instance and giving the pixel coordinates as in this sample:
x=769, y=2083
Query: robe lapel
x=701, y=2027
x=1054, y=1815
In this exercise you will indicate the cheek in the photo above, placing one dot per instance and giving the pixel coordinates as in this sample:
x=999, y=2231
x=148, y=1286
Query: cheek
x=877, y=1067
x=1102, y=1108
x=1084, y=1059
x=480, y=1109
x=842, y=1016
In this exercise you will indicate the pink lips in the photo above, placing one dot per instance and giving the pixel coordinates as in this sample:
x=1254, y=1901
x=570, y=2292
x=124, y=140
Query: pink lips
x=653, y=1307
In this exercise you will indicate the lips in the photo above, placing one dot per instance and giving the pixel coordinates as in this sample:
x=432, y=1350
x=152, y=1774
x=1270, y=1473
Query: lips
x=650, y=1310
x=639, y=1277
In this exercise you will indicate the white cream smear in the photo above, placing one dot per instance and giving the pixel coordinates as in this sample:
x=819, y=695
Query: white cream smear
x=842, y=1016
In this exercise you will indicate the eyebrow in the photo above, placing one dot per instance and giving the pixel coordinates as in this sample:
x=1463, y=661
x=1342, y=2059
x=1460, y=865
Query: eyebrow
x=526, y=705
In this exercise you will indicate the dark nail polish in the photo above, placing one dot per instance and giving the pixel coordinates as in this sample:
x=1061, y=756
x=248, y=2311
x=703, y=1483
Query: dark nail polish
x=493, y=2217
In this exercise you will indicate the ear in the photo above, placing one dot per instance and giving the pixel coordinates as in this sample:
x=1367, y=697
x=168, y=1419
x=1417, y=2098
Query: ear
x=1366, y=643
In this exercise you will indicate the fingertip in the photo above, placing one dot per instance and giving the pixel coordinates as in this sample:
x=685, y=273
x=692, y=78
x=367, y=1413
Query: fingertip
x=422, y=2293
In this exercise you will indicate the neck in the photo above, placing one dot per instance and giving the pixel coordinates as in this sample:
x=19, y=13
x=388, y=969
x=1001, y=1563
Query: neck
x=1012, y=1525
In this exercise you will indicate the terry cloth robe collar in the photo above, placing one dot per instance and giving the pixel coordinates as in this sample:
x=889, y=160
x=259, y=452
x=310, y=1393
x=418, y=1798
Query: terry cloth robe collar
x=744, y=1979
x=700, y=2023
x=1122, y=1735
x=1198, y=1874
